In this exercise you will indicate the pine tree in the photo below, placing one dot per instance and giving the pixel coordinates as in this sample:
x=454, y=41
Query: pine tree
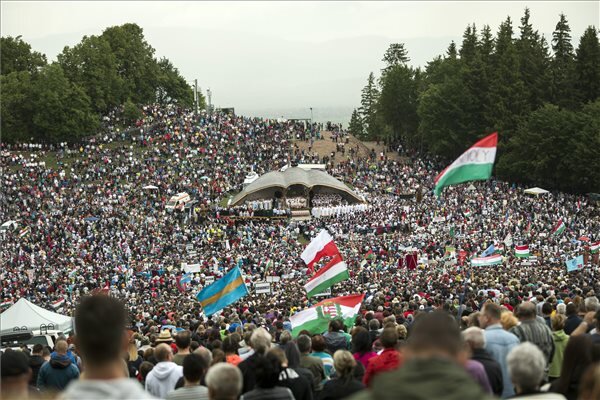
x=533, y=65
x=451, y=52
x=506, y=88
x=562, y=67
x=356, y=125
x=396, y=54
x=370, y=95
x=587, y=66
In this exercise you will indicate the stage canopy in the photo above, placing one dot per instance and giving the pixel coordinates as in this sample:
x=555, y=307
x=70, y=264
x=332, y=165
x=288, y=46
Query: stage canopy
x=26, y=314
x=535, y=191
x=294, y=180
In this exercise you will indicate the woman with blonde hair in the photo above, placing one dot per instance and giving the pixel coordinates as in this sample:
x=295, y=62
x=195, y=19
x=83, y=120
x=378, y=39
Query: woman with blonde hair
x=343, y=384
x=134, y=361
x=508, y=320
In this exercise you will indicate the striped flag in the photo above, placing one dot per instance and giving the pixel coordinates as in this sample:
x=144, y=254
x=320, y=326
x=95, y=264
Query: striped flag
x=559, y=227
x=316, y=319
x=227, y=290
x=321, y=246
x=474, y=164
x=595, y=247
x=6, y=303
x=335, y=271
x=486, y=261
x=24, y=231
x=522, y=251
x=58, y=303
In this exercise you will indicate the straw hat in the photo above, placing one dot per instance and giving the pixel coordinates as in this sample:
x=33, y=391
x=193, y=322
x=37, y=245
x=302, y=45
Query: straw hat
x=165, y=336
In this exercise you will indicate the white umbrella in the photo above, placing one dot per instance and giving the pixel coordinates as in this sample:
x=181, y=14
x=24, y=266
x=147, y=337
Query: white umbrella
x=150, y=187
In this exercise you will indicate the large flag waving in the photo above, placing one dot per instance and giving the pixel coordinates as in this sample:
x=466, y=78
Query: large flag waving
x=474, y=164
x=322, y=245
x=223, y=292
x=335, y=271
x=559, y=227
x=316, y=319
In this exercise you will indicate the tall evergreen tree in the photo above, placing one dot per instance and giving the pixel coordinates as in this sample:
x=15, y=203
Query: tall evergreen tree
x=395, y=54
x=356, y=125
x=368, y=109
x=533, y=65
x=506, y=88
x=587, y=66
x=562, y=67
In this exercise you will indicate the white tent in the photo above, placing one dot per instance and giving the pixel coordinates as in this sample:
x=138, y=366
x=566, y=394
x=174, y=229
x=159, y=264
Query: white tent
x=26, y=314
x=535, y=191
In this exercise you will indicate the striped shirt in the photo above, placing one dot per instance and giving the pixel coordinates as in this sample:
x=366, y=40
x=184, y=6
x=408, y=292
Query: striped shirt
x=537, y=333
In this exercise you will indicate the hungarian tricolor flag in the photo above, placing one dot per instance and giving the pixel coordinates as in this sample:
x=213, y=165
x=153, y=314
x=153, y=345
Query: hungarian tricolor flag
x=522, y=251
x=474, y=164
x=58, y=303
x=316, y=319
x=485, y=261
x=6, y=303
x=559, y=227
x=595, y=247
x=335, y=271
x=321, y=246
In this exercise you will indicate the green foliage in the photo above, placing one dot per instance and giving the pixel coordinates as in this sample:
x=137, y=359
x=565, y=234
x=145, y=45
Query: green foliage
x=16, y=56
x=544, y=105
x=172, y=86
x=368, y=109
x=356, y=125
x=64, y=101
x=131, y=112
x=62, y=110
x=587, y=66
x=92, y=65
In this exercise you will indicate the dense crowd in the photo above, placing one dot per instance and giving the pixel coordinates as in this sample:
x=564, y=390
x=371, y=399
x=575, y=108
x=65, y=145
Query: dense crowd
x=86, y=223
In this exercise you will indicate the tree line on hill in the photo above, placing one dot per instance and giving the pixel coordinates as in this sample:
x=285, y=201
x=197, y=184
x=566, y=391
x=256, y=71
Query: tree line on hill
x=63, y=101
x=542, y=98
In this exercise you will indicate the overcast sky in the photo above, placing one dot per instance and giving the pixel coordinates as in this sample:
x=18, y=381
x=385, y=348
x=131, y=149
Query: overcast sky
x=282, y=57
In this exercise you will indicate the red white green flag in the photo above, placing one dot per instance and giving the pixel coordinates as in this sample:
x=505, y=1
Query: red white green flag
x=335, y=271
x=595, y=247
x=559, y=227
x=316, y=319
x=522, y=251
x=486, y=261
x=474, y=164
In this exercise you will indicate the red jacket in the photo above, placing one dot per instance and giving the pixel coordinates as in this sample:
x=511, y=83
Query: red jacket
x=388, y=360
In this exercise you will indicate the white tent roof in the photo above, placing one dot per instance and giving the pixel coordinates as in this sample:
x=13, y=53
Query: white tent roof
x=25, y=313
x=536, y=191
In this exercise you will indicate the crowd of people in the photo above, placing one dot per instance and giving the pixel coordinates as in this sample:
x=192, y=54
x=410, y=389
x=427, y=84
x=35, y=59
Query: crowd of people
x=85, y=224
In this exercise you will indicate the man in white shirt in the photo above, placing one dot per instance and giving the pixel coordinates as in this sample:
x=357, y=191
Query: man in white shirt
x=164, y=376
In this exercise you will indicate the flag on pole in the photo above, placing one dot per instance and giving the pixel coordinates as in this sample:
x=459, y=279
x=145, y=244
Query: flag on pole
x=335, y=271
x=489, y=251
x=316, y=319
x=559, y=227
x=24, y=231
x=321, y=246
x=595, y=247
x=522, y=251
x=227, y=290
x=575, y=264
x=474, y=164
x=486, y=261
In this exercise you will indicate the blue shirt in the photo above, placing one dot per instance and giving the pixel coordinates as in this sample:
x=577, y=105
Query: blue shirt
x=499, y=343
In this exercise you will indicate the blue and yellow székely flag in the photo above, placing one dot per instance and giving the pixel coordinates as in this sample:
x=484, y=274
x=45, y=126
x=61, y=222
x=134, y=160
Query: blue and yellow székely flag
x=223, y=292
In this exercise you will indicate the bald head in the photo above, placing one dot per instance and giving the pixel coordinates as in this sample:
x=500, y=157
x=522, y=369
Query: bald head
x=163, y=352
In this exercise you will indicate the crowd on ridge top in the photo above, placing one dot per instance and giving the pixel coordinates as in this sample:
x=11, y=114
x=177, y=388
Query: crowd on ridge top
x=86, y=223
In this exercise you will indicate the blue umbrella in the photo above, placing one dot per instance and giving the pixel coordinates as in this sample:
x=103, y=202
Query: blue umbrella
x=91, y=219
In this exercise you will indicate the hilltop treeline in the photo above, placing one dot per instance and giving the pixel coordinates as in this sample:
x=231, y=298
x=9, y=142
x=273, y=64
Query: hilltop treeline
x=63, y=100
x=541, y=96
